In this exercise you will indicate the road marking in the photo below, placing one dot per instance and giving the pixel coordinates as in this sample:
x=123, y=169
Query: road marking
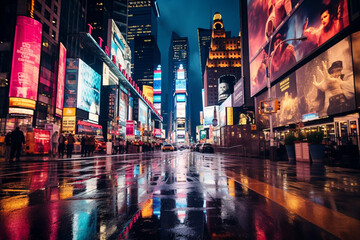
x=334, y=222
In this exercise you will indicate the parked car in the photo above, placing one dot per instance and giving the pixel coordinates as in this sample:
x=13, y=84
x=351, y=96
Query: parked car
x=168, y=147
x=206, y=147
x=182, y=147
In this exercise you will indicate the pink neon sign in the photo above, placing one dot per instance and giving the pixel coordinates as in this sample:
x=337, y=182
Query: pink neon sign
x=26, y=58
x=61, y=77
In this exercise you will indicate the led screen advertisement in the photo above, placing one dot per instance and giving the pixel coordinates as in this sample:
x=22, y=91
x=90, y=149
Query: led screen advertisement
x=226, y=87
x=180, y=110
x=119, y=49
x=130, y=128
x=180, y=98
x=157, y=82
x=209, y=115
x=180, y=86
x=323, y=87
x=26, y=59
x=61, y=77
x=71, y=79
x=148, y=93
x=238, y=95
x=315, y=20
x=89, y=85
x=142, y=112
x=157, y=98
x=123, y=110
x=356, y=56
x=264, y=18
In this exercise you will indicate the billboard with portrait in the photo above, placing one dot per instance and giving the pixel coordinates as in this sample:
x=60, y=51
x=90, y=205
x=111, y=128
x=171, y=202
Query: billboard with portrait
x=89, y=86
x=226, y=87
x=180, y=86
x=322, y=87
x=317, y=21
x=142, y=112
x=119, y=49
x=71, y=80
x=61, y=77
x=264, y=18
x=26, y=59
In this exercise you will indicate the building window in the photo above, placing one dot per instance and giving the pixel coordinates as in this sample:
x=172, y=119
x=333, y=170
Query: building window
x=47, y=15
x=55, y=9
x=53, y=35
x=37, y=6
x=54, y=21
x=48, y=2
x=46, y=28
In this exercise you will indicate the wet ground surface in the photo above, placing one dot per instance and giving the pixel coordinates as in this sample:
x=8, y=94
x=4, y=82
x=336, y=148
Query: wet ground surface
x=180, y=195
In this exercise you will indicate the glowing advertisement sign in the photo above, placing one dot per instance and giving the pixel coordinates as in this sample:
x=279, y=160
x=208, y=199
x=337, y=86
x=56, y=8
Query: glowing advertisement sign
x=71, y=79
x=180, y=110
x=316, y=20
x=180, y=86
x=119, y=49
x=157, y=106
x=130, y=109
x=157, y=82
x=238, y=95
x=61, y=78
x=180, y=98
x=157, y=99
x=142, y=112
x=123, y=110
x=180, y=73
x=157, y=132
x=130, y=128
x=148, y=93
x=209, y=115
x=26, y=59
x=89, y=86
x=322, y=87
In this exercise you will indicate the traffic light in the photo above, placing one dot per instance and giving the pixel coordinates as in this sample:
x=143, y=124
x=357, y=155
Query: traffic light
x=277, y=105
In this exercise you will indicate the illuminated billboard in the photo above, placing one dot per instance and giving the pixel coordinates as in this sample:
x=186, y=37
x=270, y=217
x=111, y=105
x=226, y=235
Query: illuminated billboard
x=157, y=106
x=180, y=98
x=180, y=110
x=61, y=77
x=157, y=80
x=148, y=93
x=222, y=110
x=157, y=132
x=71, y=79
x=109, y=77
x=119, y=49
x=180, y=86
x=157, y=99
x=323, y=87
x=180, y=73
x=209, y=115
x=316, y=20
x=89, y=86
x=130, y=109
x=26, y=59
x=130, y=128
x=180, y=124
x=226, y=87
x=142, y=112
x=123, y=109
x=356, y=56
x=238, y=95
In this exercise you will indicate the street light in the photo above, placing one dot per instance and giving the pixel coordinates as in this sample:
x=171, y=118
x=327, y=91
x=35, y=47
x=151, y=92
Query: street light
x=268, y=75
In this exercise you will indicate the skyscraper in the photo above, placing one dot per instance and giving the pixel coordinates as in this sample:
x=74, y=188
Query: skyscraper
x=204, y=37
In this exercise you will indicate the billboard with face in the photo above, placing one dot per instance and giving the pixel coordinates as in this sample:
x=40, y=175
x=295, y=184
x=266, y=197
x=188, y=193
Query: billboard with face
x=26, y=59
x=321, y=88
x=317, y=21
x=265, y=18
x=61, y=78
x=89, y=86
x=226, y=87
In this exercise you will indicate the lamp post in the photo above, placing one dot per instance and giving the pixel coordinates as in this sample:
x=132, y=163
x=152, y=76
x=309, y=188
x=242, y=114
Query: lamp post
x=268, y=75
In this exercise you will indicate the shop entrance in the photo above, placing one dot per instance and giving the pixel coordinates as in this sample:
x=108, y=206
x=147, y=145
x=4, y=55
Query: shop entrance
x=347, y=130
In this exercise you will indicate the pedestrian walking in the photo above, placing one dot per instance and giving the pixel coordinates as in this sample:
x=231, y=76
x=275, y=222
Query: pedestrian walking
x=17, y=140
x=92, y=145
x=70, y=145
x=83, y=146
x=54, y=143
x=7, y=146
x=87, y=146
x=61, y=148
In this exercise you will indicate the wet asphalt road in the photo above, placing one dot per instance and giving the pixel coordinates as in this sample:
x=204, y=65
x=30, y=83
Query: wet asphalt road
x=180, y=195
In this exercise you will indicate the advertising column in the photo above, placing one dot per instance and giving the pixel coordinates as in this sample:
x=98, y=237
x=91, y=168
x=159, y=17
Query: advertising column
x=25, y=67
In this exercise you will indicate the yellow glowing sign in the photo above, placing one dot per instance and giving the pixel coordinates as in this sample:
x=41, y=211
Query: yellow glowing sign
x=229, y=116
x=69, y=124
x=69, y=111
x=148, y=93
x=22, y=102
x=147, y=210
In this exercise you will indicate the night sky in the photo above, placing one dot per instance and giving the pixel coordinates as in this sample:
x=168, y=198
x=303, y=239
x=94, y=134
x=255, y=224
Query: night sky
x=184, y=17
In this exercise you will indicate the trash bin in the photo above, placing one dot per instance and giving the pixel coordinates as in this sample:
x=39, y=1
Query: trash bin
x=108, y=148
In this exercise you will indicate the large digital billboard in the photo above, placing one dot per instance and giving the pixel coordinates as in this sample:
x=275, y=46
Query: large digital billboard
x=61, y=77
x=142, y=112
x=318, y=21
x=323, y=87
x=180, y=86
x=180, y=98
x=71, y=79
x=123, y=109
x=130, y=128
x=157, y=81
x=238, y=95
x=157, y=99
x=26, y=59
x=89, y=86
x=148, y=93
x=180, y=110
x=119, y=49
x=356, y=56
x=209, y=115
